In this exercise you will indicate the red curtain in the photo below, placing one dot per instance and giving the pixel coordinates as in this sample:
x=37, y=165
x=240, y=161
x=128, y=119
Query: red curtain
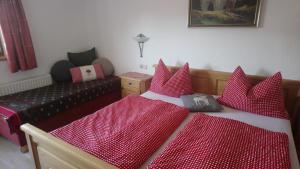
x=16, y=35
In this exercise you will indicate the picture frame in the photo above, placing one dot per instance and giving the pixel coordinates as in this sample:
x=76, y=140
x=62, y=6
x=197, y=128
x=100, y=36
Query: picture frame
x=222, y=13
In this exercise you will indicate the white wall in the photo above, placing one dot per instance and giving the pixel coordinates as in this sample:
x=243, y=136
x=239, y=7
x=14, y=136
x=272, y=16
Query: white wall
x=57, y=26
x=275, y=46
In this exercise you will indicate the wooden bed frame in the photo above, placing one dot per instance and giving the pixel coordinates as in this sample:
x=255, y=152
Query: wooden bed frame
x=50, y=152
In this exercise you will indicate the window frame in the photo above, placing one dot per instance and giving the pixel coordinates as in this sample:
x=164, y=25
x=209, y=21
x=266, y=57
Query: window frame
x=2, y=56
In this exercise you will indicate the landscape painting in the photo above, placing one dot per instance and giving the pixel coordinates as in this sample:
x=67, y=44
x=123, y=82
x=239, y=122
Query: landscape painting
x=224, y=13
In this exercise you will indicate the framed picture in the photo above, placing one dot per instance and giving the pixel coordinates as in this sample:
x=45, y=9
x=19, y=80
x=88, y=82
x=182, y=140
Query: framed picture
x=224, y=13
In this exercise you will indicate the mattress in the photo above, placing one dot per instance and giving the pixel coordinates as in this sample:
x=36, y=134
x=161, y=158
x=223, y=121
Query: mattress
x=38, y=104
x=264, y=122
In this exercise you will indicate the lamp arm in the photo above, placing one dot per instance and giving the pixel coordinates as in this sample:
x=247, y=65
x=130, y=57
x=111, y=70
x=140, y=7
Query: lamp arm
x=141, y=39
x=141, y=46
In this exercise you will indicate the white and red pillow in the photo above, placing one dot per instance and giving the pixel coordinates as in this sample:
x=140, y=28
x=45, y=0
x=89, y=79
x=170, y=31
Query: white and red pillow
x=164, y=82
x=87, y=73
x=266, y=98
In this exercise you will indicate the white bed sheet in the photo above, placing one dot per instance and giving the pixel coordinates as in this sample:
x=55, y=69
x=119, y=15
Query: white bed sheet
x=268, y=123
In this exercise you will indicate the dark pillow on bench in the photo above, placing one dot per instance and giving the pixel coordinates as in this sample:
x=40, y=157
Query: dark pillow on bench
x=82, y=58
x=60, y=71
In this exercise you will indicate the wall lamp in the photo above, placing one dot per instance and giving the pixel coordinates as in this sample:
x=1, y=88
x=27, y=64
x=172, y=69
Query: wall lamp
x=141, y=39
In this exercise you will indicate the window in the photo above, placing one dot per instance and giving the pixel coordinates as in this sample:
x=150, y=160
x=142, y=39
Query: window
x=2, y=57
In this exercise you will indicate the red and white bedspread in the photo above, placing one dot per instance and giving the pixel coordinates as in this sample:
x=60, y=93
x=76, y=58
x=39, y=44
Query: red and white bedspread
x=212, y=142
x=125, y=133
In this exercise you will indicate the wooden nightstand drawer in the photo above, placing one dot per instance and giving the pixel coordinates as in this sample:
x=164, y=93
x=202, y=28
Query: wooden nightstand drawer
x=130, y=84
x=134, y=83
x=129, y=92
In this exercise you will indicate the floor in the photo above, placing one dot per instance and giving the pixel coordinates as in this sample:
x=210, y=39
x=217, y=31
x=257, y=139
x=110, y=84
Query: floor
x=12, y=158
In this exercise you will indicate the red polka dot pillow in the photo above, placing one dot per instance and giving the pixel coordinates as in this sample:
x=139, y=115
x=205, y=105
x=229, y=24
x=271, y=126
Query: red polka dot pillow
x=164, y=82
x=266, y=98
x=87, y=73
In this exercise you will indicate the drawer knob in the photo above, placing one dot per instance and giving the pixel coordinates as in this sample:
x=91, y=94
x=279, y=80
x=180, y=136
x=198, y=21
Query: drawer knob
x=130, y=83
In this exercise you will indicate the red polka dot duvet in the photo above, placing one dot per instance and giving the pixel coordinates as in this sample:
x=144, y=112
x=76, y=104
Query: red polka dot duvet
x=211, y=143
x=125, y=133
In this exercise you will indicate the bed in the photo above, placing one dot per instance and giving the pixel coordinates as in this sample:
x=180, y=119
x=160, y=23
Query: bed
x=268, y=123
x=50, y=152
x=53, y=106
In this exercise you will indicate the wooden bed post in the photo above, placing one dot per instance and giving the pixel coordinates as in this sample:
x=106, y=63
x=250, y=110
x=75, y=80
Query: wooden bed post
x=24, y=149
x=33, y=151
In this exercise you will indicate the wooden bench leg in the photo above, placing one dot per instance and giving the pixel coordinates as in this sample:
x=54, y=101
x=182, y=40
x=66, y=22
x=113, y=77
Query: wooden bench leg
x=24, y=149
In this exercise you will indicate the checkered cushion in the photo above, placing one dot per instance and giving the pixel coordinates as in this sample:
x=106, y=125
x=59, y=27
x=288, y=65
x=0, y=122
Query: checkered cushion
x=266, y=98
x=216, y=143
x=164, y=83
x=161, y=76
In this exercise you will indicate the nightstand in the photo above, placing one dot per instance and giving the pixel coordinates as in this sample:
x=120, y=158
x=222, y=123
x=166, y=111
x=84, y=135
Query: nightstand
x=135, y=83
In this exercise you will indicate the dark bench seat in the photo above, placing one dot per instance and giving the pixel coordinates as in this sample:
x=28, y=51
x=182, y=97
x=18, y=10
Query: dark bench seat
x=56, y=105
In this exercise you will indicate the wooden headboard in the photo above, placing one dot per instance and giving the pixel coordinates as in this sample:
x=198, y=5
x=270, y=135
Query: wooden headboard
x=214, y=82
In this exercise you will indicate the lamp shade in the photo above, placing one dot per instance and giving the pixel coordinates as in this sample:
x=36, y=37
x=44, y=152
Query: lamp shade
x=141, y=38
